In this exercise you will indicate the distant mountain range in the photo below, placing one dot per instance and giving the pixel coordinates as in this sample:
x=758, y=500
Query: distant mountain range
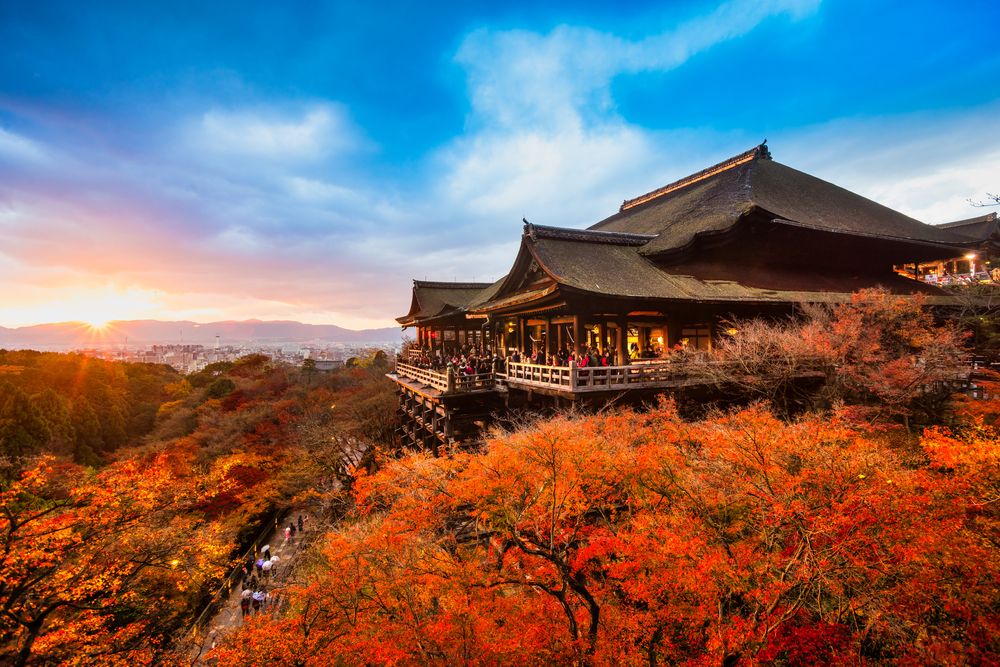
x=146, y=332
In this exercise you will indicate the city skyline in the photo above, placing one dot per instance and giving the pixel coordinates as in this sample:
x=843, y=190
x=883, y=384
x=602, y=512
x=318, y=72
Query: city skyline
x=304, y=164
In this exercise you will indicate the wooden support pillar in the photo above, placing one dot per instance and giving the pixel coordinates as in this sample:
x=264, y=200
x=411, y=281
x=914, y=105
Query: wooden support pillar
x=603, y=328
x=622, y=342
x=665, y=347
x=641, y=330
x=548, y=338
x=522, y=343
x=559, y=337
x=578, y=335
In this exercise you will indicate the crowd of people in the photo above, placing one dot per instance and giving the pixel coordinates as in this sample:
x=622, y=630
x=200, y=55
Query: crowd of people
x=471, y=361
x=259, y=570
x=467, y=361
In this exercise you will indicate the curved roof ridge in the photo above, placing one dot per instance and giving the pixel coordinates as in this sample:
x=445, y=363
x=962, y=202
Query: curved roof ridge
x=587, y=235
x=759, y=152
x=989, y=217
x=448, y=285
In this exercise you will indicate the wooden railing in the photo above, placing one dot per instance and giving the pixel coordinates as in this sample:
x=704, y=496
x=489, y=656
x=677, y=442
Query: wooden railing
x=477, y=382
x=425, y=376
x=643, y=374
x=604, y=378
x=651, y=374
x=448, y=382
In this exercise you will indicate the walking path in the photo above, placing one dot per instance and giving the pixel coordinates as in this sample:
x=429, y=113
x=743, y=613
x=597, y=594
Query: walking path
x=230, y=617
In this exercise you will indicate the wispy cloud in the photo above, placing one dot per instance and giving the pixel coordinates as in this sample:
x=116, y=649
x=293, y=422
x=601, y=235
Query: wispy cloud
x=520, y=79
x=317, y=132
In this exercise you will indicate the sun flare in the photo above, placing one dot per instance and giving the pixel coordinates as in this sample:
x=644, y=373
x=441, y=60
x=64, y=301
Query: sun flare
x=97, y=325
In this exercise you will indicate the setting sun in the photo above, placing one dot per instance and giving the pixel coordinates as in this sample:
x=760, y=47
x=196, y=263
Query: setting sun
x=93, y=306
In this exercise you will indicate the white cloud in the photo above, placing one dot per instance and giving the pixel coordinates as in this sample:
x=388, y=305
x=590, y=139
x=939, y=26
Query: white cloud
x=552, y=178
x=317, y=132
x=523, y=79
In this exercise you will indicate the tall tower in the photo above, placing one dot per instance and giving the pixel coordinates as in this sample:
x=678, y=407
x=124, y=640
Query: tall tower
x=216, y=342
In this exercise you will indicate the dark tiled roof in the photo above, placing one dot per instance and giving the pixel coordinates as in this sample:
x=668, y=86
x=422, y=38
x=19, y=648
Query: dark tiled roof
x=714, y=200
x=621, y=270
x=485, y=294
x=978, y=229
x=434, y=299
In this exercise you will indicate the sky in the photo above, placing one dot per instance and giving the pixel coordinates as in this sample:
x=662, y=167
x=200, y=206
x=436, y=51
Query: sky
x=307, y=160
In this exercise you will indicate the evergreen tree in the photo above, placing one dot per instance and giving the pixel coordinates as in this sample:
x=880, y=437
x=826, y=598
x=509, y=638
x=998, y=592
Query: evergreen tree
x=22, y=429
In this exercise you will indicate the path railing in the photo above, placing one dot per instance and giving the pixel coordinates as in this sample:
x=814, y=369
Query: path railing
x=225, y=588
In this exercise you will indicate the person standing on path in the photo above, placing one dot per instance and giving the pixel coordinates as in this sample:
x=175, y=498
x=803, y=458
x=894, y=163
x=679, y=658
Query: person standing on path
x=258, y=599
x=268, y=565
x=301, y=524
x=288, y=533
x=245, y=601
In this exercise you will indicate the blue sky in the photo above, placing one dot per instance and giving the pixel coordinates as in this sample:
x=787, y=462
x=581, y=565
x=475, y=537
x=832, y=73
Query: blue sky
x=305, y=160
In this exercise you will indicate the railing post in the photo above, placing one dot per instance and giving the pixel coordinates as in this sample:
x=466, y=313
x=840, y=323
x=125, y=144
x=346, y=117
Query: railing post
x=572, y=374
x=451, y=379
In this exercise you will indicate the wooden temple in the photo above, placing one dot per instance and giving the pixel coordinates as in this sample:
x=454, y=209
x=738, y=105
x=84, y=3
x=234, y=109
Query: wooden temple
x=979, y=264
x=748, y=237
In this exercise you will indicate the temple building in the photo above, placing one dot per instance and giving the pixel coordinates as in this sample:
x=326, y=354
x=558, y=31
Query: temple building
x=748, y=237
x=977, y=265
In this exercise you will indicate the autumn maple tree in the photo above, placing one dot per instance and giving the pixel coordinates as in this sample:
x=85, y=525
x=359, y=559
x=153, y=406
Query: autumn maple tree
x=881, y=351
x=639, y=538
x=96, y=568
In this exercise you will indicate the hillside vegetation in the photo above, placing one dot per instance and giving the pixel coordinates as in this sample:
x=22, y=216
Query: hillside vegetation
x=109, y=564
x=854, y=524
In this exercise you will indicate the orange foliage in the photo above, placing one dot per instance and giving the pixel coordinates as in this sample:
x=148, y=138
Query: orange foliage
x=639, y=538
x=95, y=568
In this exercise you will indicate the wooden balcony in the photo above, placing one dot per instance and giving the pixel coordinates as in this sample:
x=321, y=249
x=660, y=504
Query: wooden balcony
x=449, y=382
x=571, y=380
x=641, y=375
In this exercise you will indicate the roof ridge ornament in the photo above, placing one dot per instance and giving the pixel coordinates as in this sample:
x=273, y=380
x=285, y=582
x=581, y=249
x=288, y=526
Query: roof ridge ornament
x=529, y=229
x=759, y=152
